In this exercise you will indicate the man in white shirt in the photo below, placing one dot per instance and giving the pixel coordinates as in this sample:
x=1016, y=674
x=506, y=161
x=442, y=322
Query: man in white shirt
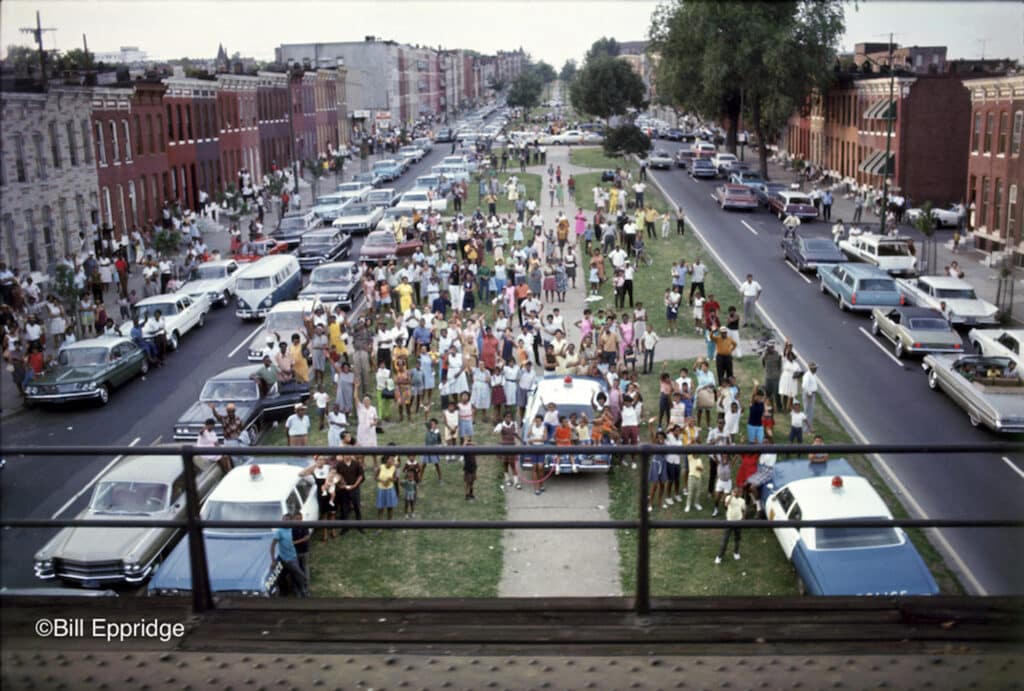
x=297, y=425
x=638, y=190
x=751, y=291
x=618, y=258
x=809, y=386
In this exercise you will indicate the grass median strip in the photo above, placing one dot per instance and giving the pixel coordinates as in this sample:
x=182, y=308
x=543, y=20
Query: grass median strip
x=474, y=201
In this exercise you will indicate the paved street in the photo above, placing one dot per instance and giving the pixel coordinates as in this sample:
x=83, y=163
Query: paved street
x=877, y=397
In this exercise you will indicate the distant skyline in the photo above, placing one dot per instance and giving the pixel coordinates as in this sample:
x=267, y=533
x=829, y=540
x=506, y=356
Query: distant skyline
x=552, y=31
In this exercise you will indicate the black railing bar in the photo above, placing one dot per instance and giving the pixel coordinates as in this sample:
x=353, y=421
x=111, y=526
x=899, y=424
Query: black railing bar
x=498, y=450
x=527, y=525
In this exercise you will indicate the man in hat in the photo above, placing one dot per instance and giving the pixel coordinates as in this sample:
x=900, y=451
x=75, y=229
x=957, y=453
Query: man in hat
x=725, y=345
x=297, y=426
x=230, y=423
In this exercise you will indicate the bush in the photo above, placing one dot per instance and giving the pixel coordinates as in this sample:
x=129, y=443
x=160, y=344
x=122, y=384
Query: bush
x=167, y=243
x=627, y=139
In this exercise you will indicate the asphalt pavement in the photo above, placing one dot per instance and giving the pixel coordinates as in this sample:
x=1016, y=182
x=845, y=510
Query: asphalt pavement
x=878, y=398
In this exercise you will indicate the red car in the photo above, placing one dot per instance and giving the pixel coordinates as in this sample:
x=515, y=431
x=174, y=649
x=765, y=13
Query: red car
x=733, y=196
x=257, y=249
x=381, y=246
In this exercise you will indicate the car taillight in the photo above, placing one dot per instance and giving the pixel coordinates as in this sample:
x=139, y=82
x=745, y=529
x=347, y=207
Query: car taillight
x=853, y=299
x=903, y=299
x=956, y=346
x=917, y=345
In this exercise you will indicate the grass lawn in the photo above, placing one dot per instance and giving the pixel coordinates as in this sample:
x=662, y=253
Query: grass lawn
x=532, y=181
x=407, y=563
x=594, y=157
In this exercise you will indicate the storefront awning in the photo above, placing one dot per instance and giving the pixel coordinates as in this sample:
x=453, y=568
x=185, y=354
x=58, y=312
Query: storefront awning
x=875, y=164
x=881, y=110
x=865, y=165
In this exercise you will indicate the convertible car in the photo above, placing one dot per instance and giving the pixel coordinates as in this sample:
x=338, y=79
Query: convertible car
x=989, y=389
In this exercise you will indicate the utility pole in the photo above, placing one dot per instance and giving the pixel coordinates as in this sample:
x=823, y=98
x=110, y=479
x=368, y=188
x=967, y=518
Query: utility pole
x=37, y=35
x=890, y=116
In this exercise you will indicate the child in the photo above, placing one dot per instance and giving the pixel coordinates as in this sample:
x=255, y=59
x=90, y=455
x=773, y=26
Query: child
x=433, y=438
x=563, y=437
x=321, y=398
x=698, y=310
x=450, y=432
x=413, y=473
x=124, y=306
x=550, y=420
x=723, y=483
x=797, y=421
x=657, y=473
x=507, y=435
x=469, y=471
x=595, y=280
x=336, y=422
x=465, y=417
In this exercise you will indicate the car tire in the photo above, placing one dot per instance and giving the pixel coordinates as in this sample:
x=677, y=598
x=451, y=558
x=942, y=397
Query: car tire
x=227, y=297
x=874, y=328
x=173, y=340
x=104, y=394
x=144, y=369
x=898, y=349
x=202, y=319
x=821, y=286
x=842, y=304
x=933, y=380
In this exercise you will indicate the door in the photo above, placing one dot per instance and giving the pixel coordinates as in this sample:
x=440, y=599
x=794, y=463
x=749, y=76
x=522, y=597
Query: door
x=189, y=313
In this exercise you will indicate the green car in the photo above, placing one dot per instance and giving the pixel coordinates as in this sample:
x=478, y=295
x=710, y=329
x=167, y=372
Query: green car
x=90, y=368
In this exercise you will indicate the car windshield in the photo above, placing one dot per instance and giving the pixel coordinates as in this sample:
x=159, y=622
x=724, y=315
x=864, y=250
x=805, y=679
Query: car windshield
x=242, y=511
x=426, y=182
x=289, y=320
x=331, y=274
x=128, y=497
x=893, y=249
x=292, y=223
x=317, y=241
x=82, y=357
x=929, y=324
x=702, y=163
x=854, y=538
x=254, y=283
x=382, y=239
x=204, y=272
x=819, y=244
x=661, y=154
x=877, y=284
x=144, y=312
x=568, y=409
x=382, y=165
x=956, y=293
x=246, y=390
x=415, y=197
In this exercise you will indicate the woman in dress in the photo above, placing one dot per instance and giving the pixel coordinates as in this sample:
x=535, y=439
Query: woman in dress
x=346, y=380
x=387, y=495
x=480, y=398
x=788, y=385
x=366, y=431
x=535, y=279
x=561, y=279
x=426, y=365
x=403, y=389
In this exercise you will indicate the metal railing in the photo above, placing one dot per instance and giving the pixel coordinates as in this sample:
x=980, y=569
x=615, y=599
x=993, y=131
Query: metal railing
x=202, y=596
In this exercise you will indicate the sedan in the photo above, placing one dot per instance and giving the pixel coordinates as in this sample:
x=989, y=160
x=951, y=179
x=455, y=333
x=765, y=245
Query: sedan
x=807, y=254
x=381, y=246
x=955, y=296
x=420, y=200
x=915, y=330
x=216, y=279
x=731, y=196
x=660, y=159
x=361, y=217
x=766, y=189
x=146, y=487
x=337, y=283
x=253, y=250
x=989, y=389
x=944, y=218
x=180, y=312
x=90, y=368
x=999, y=342
x=702, y=168
x=325, y=245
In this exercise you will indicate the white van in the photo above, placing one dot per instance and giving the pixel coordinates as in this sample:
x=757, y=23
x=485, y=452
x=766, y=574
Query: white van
x=266, y=282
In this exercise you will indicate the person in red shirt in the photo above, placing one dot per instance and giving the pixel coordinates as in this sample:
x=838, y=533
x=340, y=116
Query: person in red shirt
x=711, y=305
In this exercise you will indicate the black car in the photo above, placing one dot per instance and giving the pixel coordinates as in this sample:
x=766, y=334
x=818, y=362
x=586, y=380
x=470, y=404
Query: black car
x=808, y=253
x=608, y=176
x=294, y=224
x=336, y=283
x=235, y=386
x=325, y=245
x=702, y=168
x=674, y=134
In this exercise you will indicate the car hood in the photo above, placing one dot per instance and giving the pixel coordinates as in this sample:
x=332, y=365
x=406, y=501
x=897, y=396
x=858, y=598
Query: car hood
x=99, y=544
x=236, y=561
x=896, y=570
x=203, y=287
x=198, y=413
x=970, y=308
x=70, y=375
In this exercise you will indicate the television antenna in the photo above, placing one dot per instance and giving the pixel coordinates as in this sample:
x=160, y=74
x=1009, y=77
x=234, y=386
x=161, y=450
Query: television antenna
x=37, y=35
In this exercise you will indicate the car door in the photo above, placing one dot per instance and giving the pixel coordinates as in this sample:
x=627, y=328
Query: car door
x=186, y=314
x=1010, y=342
x=783, y=506
x=208, y=474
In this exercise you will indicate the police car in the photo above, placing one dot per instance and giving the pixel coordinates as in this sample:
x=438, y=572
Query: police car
x=239, y=558
x=570, y=394
x=835, y=560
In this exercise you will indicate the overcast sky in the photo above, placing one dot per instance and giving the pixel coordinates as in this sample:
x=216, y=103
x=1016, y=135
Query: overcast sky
x=550, y=30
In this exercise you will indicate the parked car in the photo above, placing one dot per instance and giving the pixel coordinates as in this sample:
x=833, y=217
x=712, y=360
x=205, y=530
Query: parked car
x=381, y=246
x=215, y=279
x=914, y=330
x=702, y=168
x=239, y=558
x=730, y=196
x=421, y=200
x=859, y=286
x=284, y=320
x=294, y=225
x=361, y=217
x=570, y=394
x=723, y=161
x=944, y=218
x=750, y=178
x=236, y=386
x=253, y=250
x=88, y=369
x=324, y=245
x=660, y=159
x=891, y=254
x=997, y=342
x=786, y=202
x=181, y=313
x=808, y=253
x=962, y=305
x=989, y=389
x=412, y=153
x=842, y=560
x=388, y=169
x=765, y=190
x=133, y=488
x=336, y=283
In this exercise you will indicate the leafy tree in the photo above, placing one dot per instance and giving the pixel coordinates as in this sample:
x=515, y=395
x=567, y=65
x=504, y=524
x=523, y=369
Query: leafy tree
x=602, y=47
x=167, y=243
x=64, y=285
x=24, y=60
x=568, y=71
x=545, y=72
x=77, y=59
x=525, y=90
x=607, y=86
x=627, y=139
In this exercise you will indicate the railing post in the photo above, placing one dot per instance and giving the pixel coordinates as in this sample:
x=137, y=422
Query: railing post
x=643, y=557
x=202, y=599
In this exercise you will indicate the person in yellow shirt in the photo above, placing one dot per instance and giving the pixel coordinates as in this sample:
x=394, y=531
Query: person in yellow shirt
x=335, y=337
x=650, y=216
x=299, y=364
x=405, y=295
x=613, y=200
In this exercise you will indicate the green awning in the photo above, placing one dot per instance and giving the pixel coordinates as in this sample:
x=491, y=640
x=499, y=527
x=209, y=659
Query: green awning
x=879, y=167
x=881, y=110
x=866, y=164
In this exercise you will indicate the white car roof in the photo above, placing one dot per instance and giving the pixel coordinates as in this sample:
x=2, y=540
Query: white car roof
x=555, y=390
x=818, y=500
x=946, y=282
x=164, y=299
x=218, y=262
x=289, y=306
x=238, y=486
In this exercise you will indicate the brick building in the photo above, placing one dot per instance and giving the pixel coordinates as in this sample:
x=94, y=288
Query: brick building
x=238, y=126
x=272, y=96
x=325, y=101
x=48, y=183
x=193, y=140
x=995, y=173
x=915, y=59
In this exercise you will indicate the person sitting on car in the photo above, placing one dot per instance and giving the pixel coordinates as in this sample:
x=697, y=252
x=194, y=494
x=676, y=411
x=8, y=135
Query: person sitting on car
x=266, y=376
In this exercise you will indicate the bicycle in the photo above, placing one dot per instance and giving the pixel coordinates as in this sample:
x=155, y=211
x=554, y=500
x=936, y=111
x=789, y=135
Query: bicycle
x=642, y=257
x=766, y=340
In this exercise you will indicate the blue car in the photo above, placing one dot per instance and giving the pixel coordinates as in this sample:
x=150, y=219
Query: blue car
x=859, y=287
x=239, y=558
x=842, y=561
x=388, y=170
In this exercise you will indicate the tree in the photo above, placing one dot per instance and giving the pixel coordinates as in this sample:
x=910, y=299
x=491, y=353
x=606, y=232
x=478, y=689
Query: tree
x=568, y=71
x=607, y=86
x=602, y=47
x=316, y=171
x=77, y=59
x=525, y=90
x=628, y=139
x=545, y=72
x=167, y=243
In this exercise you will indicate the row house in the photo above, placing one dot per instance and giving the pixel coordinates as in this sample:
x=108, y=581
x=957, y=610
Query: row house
x=193, y=133
x=238, y=122
x=302, y=90
x=845, y=130
x=995, y=172
x=272, y=99
x=48, y=176
x=325, y=100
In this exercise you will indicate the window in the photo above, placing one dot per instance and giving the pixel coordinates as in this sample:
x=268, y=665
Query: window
x=80, y=211
x=48, y=247
x=30, y=232
x=65, y=227
x=40, y=149
x=3, y=167
x=976, y=137
x=1011, y=214
x=12, y=246
x=137, y=121
x=983, y=202
x=108, y=214
x=149, y=134
x=1018, y=122
x=101, y=150
x=133, y=205
x=989, y=126
x=188, y=122
x=997, y=205
x=72, y=144
x=54, y=145
x=127, y=141
x=170, y=124
x=115, y=145
x=19, y=158
x=160, y=131
x=181, y=126
x=86, y=144
x=121, y=208
x=143, y=207
x=1004, y=125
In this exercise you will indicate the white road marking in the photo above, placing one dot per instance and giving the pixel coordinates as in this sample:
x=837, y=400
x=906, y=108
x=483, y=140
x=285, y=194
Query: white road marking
x=714, y=197
x=749, y=227
x=157, y=440
x=880, y=346
x=852, y=426
x=797, y=271
x=246, y=341
x=92, y=482
x=1014, y=466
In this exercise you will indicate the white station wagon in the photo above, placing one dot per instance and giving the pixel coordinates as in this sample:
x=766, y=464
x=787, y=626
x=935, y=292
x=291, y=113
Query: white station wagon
x=180, y=311
x=962, y=305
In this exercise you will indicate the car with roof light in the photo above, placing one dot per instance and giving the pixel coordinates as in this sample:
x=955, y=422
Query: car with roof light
x=324, y=245
x=238, y=559
x=570, y=394
x=236, y=387
x=335, y=283
x=660, y=159
x=997, y=342
x=283, y=320
x=859, y=287
x=988, y=388
x=730, y=196
x=216, y=279
x=381, y=246
x=88, y=369
x=785, y=203
x=360, y=218
x=133, y=488
x=954, y=296
x=807, y=253
x=915, y=330
x=181, y=313
x=889, y=253
x=842, y=560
